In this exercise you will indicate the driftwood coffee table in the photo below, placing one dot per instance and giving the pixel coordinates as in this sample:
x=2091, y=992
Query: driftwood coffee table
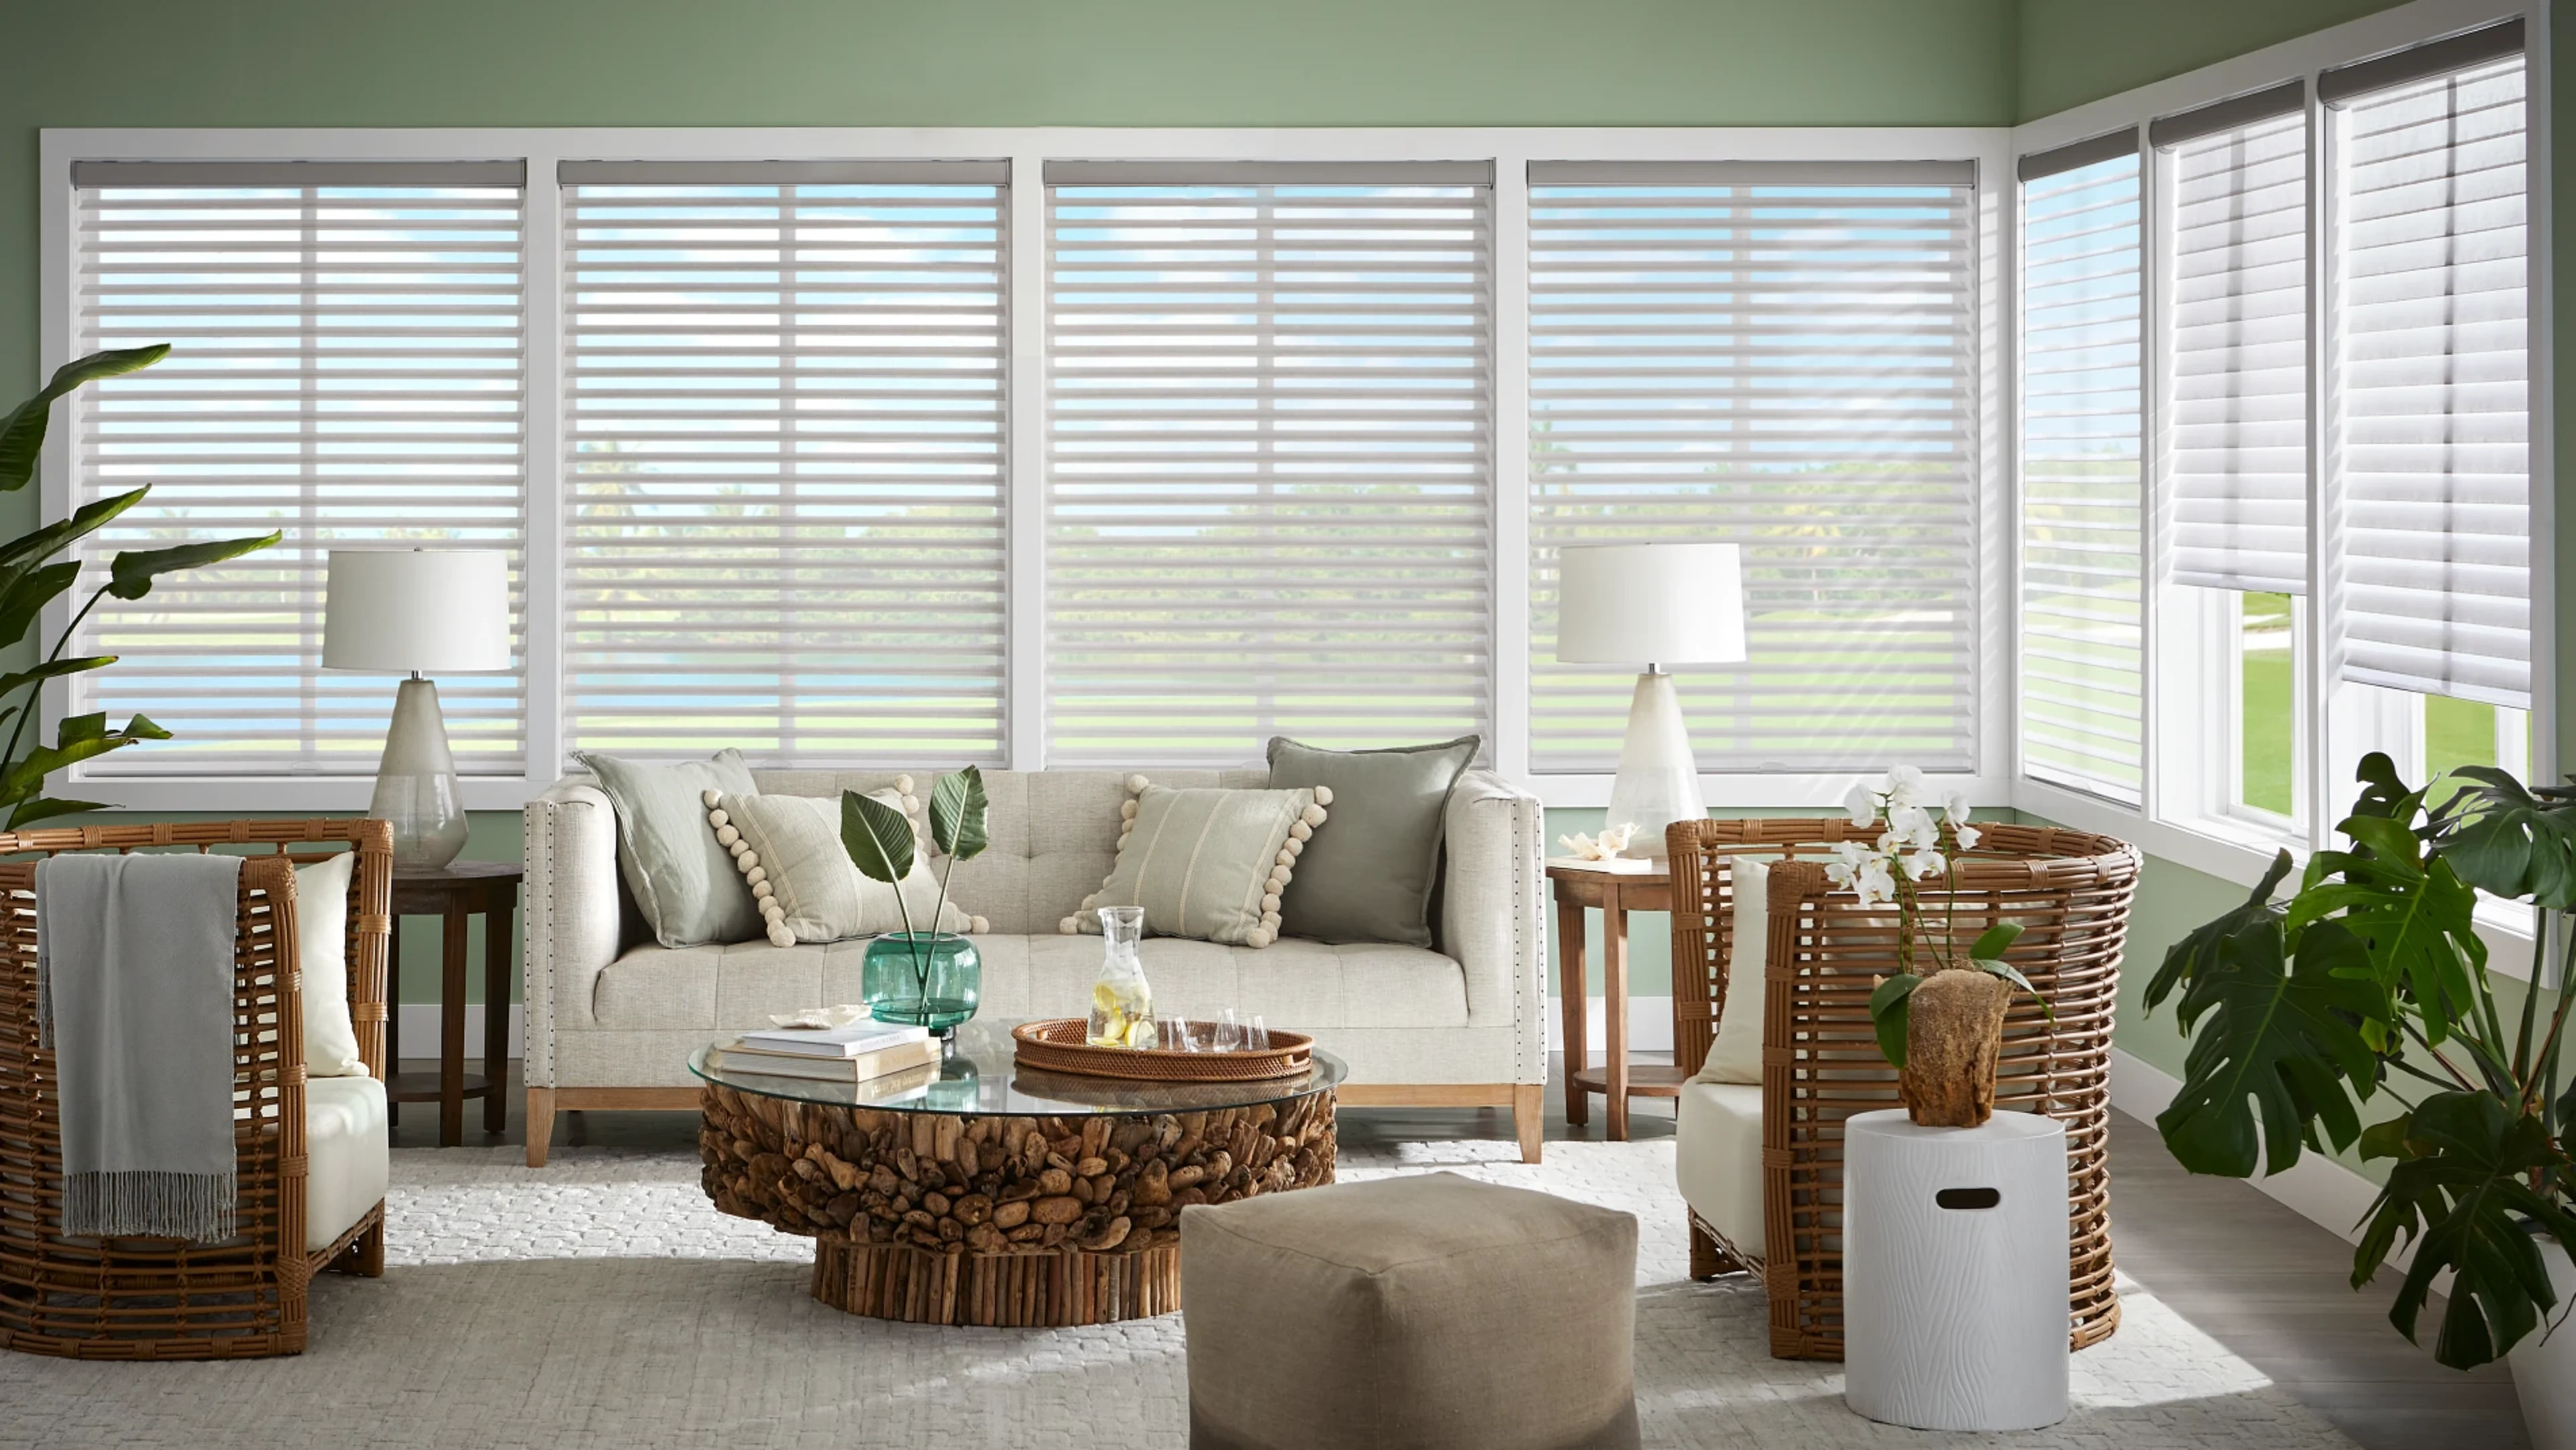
x=988, y=1194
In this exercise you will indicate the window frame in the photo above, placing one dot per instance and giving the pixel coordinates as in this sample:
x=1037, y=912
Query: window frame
x=2173, y=823
x=1510, y=149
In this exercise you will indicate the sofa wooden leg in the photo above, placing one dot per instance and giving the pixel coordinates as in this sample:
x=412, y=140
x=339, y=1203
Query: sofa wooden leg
x=1529, y=1116
x=541, y=1124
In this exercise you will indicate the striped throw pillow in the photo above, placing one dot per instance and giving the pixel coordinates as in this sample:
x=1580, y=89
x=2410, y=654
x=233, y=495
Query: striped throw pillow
x=1208, y=864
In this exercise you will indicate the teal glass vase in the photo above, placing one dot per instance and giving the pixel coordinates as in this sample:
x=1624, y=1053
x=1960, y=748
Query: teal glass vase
x=923, y=979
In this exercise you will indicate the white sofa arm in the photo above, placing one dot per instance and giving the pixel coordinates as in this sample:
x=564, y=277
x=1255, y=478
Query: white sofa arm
x=1493, y=912
x=572, y=926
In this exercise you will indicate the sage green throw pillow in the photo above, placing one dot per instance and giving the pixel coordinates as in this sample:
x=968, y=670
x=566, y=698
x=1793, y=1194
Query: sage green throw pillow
x=1206, y=863
x=1369, y=879
x=686, y=884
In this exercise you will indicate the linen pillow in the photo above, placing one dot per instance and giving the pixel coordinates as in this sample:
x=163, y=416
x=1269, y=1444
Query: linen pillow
x=688, y=889
x=322, y=956
x=1205, y=863
x=1736, y=1054
x=1369, y=879
x=787, y=850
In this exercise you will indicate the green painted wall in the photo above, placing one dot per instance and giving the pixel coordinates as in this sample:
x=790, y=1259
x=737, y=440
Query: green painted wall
x=2073, y=51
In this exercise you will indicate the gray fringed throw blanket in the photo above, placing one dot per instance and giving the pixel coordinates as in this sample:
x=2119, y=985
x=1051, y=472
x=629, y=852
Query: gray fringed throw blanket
x=134, y=994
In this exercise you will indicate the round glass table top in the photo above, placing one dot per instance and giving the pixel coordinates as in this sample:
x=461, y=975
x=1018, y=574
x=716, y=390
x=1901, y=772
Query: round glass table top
x=980, y=1077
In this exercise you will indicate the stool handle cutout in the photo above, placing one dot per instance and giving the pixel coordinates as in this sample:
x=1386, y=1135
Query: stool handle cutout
x=1968, y=1197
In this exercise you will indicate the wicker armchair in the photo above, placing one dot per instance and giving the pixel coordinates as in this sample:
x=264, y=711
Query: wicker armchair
x=145, y=1298
x=1820, y=1060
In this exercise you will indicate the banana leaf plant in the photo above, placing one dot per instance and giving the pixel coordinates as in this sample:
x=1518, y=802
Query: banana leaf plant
x=2370, y=982
x=881, y=844
x=31, y=578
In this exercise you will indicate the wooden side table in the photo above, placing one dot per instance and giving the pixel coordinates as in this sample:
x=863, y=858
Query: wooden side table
x=1614, y=894
x=453, y=892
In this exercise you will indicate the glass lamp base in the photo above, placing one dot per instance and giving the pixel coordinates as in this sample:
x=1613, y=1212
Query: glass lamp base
x=417, y=792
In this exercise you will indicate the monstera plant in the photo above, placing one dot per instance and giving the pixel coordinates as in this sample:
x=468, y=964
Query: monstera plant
x=31, y=578
x=2367, y=992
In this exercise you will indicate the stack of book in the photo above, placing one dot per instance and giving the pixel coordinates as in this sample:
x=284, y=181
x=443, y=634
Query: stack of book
x=853, y=1053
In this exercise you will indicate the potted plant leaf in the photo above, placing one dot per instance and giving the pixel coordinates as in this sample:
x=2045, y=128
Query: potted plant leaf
x=926, y=977
x=2367, y=994
x=30, y=579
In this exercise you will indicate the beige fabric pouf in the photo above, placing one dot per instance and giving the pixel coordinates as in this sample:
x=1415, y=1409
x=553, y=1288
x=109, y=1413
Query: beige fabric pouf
x=1410, y=1313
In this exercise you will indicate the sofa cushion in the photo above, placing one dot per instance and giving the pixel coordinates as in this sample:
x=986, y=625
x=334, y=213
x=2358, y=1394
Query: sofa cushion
x=684, y=883
x=1204, y=863
x=1369, y=877
x=1300, y=985
x=347, y=1160
x=790, y=853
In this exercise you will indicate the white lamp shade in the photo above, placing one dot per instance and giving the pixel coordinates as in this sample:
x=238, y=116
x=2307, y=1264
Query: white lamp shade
x=434, y=611
x=1635, y=604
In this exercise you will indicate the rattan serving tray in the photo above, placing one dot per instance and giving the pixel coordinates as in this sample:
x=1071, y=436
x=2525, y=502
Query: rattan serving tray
x=1057, y=1045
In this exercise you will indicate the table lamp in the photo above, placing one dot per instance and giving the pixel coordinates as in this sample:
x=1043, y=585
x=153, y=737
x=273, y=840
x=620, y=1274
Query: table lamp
x=1651, y=605
x=415, y=612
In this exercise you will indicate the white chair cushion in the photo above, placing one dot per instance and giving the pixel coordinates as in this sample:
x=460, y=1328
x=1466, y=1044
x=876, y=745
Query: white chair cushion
x=347, y=1153
x=322, y=957
x=1736, y=1054
x=1717, y=1158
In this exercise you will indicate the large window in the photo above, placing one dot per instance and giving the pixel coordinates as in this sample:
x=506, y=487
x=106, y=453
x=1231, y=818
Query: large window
x=2082, y=488
x=783, y=508
x=907, y=449
x=2232, y=457
x=2336, y=281
x=2431, y=414
x=1270, y=470
x=347, y=367
x=1782, y=356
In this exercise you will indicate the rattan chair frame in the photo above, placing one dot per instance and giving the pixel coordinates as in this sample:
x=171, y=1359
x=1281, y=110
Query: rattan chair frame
x=2071, y=892
x=166, y=1299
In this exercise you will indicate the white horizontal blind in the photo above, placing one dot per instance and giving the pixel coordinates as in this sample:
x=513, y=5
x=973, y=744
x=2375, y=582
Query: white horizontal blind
x=2081, y=493
x=1781, y=356
x=784, y=522
x=2236, y=449
x=347, y=366
x=2432, y=431
x=1269, y=495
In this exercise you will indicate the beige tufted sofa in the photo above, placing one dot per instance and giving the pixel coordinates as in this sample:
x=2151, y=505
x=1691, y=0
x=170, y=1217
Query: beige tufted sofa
x=612, y=1016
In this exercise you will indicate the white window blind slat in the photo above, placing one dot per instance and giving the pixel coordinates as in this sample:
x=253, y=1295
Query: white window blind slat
x=2235, y=454
x=2432, y=430
x=348, y=367
x=2081, y=493
x=1269, y=499
x=1786, y=362
x=784, y=522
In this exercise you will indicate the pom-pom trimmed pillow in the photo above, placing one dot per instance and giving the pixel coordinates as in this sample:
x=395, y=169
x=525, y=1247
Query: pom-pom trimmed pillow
x=1208, y=864
x=788, y=850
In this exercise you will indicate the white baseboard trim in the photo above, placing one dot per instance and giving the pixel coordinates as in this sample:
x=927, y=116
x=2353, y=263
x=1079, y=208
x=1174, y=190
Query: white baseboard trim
x=1650, y=1025
x=2317, y=1188
x=420, y=1032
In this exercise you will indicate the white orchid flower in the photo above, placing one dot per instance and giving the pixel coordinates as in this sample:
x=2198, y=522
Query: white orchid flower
x=1954, y=804
x=1924, y=864
x=1876, y=883
x=1862, y=805
x=1905, y=786
x=1967, y=837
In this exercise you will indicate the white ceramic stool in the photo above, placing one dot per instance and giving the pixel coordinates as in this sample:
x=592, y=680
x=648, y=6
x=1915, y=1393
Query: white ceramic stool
x=1955, y=1272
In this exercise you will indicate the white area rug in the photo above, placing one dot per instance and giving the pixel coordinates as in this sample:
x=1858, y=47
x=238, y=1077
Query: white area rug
x=602, y=1301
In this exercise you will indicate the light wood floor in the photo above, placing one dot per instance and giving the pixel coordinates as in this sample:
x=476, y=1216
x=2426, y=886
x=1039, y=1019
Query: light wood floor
x=2253, y=1275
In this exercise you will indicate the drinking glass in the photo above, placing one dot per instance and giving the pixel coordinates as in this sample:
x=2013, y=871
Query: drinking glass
x=1229, y=1032
x=1258, y=1036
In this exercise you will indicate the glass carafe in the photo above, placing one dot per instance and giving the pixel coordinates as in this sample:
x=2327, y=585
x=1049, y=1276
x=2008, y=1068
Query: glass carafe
x=1122, y=1005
